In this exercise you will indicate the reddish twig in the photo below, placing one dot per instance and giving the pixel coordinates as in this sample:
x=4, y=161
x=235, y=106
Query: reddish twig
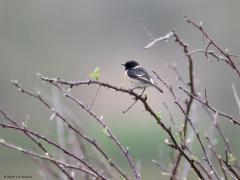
x=46, y=157
x=228, y=60
x=218, y=157
x=189, y=121
x=229, y=166
x=192, y=89
x=55, y=145
x=105, y=127
x=35, y=141
x=169, y=113
x=94, y=98
x=178, y=75
x=78, y=132
x=144, y=102
x=205, y=103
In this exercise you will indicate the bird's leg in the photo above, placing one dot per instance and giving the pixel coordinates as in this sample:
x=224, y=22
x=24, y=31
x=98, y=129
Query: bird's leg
x=135, y=101
x=140, y=94
x=142, y=91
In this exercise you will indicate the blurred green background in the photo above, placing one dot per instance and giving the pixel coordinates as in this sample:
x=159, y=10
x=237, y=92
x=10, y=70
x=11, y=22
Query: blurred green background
x=69, y=39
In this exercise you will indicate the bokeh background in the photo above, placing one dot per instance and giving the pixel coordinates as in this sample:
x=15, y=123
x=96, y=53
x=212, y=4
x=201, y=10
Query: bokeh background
x=69, y=39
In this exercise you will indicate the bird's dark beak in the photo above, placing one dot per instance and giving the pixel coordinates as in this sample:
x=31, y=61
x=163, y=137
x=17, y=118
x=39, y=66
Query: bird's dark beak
x=123, y=64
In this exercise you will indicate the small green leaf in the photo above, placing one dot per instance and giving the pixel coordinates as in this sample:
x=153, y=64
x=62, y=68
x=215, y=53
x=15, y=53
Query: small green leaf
x=180, y=134
x=95, y=74
x=105, y=131
x=122, y=178
x=159, y=115
x=166, y=173
x=195, y=158
x=231, y=158
x=166, y=141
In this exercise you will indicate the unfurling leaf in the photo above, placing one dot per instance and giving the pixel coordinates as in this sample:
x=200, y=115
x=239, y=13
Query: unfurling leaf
x=159, y=115
x=105, y=131
x=195, y=158
x=95, y=74
x=231, y=158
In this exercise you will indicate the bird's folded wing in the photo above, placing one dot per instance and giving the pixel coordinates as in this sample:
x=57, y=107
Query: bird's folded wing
x=140, y=74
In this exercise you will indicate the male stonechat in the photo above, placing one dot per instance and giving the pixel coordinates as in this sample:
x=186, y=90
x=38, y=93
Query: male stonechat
x=138, y=77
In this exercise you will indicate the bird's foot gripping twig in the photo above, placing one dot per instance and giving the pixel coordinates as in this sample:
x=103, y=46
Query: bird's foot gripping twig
x=135, y=101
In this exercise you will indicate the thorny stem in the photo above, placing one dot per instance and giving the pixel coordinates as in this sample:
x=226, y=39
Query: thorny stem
x=182, y=147
x=192, y=89
x=145, y=104
x=228, y=60
x=46, y=157
x=189, y=120
x=205, y=103
x=55, y=145
x=78, y=132
x=109, y=132
x=35, y=141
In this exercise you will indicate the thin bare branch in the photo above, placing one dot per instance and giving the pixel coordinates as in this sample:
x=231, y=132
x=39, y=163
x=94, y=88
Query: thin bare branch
x=236, y=97
x=229, y=166
x=94, y=98
x=46, y=157
x=190, y=122
x=161, y=38
x=72, y=127
x=81, y=160
x=218, y=157
x=205, y=103
x=169, y=113
x=40, y=145
x=144, y=102
x=106, y=129
x=225, y=53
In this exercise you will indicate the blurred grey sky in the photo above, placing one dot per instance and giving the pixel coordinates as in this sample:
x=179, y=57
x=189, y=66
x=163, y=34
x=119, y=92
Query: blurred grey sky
x=68, y=39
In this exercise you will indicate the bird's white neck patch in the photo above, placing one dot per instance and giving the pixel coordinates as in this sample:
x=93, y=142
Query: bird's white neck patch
x=136, y=67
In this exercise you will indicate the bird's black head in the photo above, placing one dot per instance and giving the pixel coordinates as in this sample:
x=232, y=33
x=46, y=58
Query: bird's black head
x=130, y=64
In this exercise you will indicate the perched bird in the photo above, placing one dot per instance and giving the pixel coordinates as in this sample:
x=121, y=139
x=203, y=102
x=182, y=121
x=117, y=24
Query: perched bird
x=138, y=77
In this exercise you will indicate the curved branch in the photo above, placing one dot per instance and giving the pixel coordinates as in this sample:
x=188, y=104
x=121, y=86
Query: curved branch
x=71, y=84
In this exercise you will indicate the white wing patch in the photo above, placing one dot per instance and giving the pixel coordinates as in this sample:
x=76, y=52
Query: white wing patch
x=139, y=77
